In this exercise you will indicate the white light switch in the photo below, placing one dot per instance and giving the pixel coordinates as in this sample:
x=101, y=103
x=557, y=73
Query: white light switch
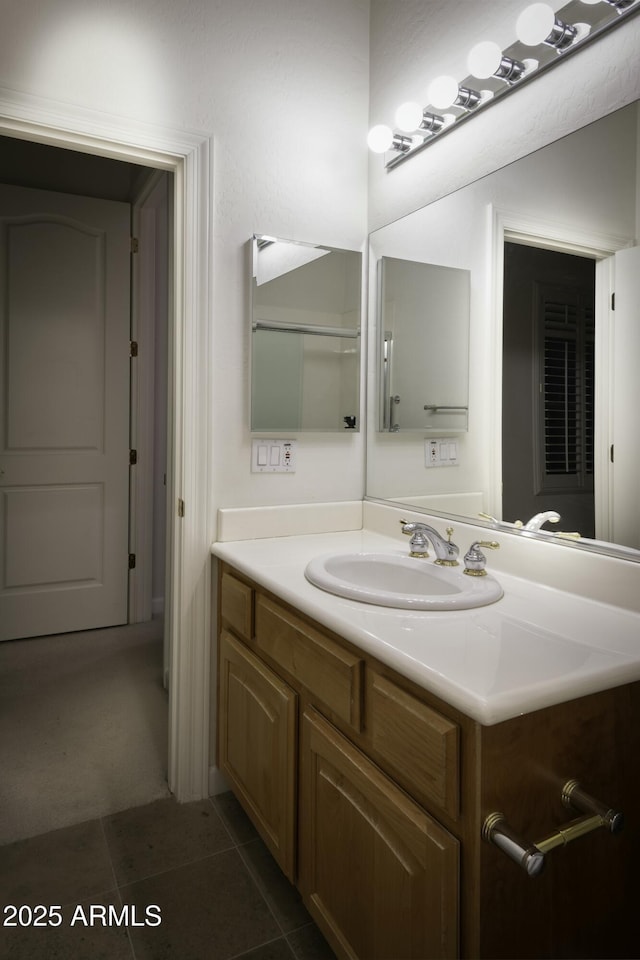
x=441, y=453
x=273, y=456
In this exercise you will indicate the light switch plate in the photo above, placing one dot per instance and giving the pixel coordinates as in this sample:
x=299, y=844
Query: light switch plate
x=442, y=452
x=273, y=456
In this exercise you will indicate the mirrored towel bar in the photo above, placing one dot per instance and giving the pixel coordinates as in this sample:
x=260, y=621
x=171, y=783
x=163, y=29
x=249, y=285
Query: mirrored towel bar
x=314, y=330
x=531, y=856
x=442, y=408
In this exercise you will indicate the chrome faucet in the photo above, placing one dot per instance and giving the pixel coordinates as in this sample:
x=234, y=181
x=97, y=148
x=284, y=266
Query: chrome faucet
x=446, y=552
x=536, y=521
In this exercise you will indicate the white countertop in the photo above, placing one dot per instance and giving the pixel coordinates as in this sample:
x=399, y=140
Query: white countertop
x=535, y=647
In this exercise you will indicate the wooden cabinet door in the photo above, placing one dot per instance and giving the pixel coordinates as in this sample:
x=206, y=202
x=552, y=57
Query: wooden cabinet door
x=379, y=875
x=257, y=745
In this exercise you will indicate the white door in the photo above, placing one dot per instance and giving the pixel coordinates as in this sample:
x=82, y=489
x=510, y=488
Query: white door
x=625, y=399
x=64, y=412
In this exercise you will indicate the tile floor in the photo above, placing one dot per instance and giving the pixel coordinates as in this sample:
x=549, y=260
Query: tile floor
x=218, y=891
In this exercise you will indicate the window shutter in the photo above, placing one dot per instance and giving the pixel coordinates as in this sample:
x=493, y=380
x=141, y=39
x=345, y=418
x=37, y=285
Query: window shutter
x=567, y=384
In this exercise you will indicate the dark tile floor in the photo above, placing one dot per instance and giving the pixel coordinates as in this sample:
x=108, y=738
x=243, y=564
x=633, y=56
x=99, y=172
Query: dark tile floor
x=200, y=868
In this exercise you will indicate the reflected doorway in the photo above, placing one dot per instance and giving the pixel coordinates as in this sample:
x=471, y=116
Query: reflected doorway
x=548, y=386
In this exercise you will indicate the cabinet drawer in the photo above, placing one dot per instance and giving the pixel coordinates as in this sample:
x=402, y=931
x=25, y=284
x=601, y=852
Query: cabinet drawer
x=236, y=604
x=418, y=744
x=331, y=674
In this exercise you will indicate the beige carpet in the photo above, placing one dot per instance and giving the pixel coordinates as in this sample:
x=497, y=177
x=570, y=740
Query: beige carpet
x=83, y=727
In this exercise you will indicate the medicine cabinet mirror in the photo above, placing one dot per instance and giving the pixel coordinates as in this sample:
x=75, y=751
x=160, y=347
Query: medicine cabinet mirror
x=423, y=347
x=305, y=337
x=577, y=198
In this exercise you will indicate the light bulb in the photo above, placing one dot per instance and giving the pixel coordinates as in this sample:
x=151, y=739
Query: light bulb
x=442, y=92
x=618, y=5
x=535, y=24
x=484, y=59
x=408, y=117
x=380, y=138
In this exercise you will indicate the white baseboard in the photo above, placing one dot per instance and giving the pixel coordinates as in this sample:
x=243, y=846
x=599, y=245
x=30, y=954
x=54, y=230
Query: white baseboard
x=157, y=606
x=217, y=782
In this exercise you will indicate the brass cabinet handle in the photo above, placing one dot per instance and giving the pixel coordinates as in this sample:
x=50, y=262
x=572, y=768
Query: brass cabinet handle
x=531, y=856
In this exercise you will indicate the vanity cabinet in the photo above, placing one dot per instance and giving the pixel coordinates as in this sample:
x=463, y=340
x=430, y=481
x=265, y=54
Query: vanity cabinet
x=371, y=793
x=378, y=873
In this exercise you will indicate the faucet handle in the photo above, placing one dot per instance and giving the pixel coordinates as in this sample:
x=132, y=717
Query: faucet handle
x=475, y=560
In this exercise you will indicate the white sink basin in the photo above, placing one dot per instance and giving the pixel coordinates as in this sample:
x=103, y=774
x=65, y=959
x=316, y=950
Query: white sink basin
x=396, y=580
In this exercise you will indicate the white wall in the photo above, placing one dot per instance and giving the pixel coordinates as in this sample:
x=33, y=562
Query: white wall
x=283, y=87
x=414, y=41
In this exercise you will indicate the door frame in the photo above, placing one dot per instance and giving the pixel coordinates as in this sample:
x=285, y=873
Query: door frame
x=190, y=525
x=505, y=225
x=143, y=386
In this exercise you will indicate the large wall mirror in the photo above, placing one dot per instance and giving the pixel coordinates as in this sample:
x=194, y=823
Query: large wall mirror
x=553, y=369
x=305, y=337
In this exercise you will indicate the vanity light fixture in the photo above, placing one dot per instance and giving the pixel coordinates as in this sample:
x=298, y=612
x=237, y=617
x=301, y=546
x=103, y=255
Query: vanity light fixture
x=410, y=117
x=446, y=92
x=618, y=4
x=486, y=60
x=382, y=138
x=539, y=24
x=550, y=35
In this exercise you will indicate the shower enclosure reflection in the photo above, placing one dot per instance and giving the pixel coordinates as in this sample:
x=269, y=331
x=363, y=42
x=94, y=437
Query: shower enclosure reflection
x=305, y=337
x=423, y=335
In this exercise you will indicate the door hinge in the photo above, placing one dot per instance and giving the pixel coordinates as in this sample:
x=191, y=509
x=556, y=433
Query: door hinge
x=613, y=301
x=135, y=244
x=611, y=453
x=180, y=507
x=133, y=348
x=132, y=561
x=133, y=457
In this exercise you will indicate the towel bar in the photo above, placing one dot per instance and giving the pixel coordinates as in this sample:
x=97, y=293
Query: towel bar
x=531, y=856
